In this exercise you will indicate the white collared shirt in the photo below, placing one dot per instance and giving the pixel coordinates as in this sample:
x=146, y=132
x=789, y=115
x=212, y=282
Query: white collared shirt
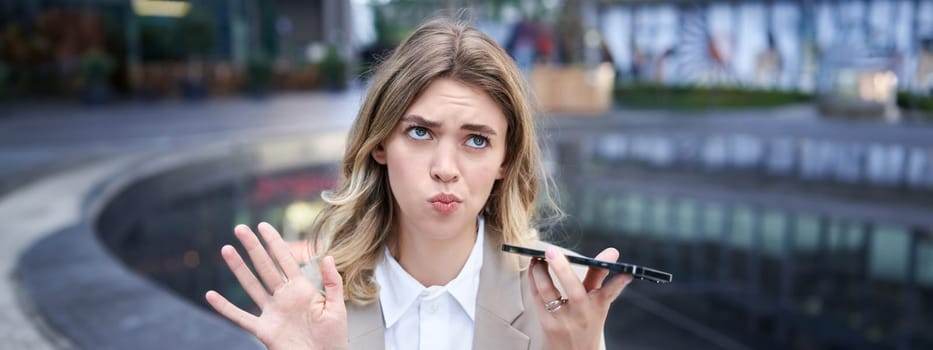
x=428, y=318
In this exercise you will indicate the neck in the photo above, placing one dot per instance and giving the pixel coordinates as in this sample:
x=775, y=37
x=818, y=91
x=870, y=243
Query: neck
x=434, y=262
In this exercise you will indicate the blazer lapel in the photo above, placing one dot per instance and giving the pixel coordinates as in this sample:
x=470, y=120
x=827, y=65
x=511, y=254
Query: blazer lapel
x=499, y=300
x=499, y=303
x=365, y=328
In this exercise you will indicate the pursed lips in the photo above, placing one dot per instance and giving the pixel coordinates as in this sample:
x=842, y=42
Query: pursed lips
x=445, y=198
x=445, y=203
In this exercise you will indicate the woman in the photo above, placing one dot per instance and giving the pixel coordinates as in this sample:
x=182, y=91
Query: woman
x=441, y=168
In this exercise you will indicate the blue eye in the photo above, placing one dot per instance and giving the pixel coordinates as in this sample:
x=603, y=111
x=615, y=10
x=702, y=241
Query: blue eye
x=418, y=133
x=476, y=141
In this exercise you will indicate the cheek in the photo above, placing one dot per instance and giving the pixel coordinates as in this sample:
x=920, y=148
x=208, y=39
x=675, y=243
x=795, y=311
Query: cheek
x=403, y=159
x=403, y=168
x=483, y=175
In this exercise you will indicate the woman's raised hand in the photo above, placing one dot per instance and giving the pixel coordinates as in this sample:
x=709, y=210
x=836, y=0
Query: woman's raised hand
x=575, y=320
x=294, y=314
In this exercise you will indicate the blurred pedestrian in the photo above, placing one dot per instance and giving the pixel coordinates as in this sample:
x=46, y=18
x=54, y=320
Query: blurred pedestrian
x=522, y=45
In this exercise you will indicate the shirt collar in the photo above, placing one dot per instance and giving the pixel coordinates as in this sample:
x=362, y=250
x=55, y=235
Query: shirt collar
x=398, y=290
x=465, y=286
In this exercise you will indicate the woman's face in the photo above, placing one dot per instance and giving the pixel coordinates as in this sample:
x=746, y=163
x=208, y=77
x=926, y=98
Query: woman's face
x=443, y=158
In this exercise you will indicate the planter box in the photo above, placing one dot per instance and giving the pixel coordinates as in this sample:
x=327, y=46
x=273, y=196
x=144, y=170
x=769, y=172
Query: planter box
x=156, y=80
x=296, y=78
x=862, y=94
x=225, y=79
x=573, y=89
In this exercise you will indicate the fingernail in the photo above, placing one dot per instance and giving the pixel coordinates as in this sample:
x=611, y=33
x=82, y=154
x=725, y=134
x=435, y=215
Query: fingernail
x=550, y=253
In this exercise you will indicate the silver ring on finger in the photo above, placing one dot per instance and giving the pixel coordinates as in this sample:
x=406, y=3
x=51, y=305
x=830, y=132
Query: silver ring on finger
x=554, y=305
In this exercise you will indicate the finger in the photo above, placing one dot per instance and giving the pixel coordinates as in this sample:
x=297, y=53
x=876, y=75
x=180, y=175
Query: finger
x=531, y=278
x=595, y=276
x=300, y=251
x=250, y=284
x=265, y=268
x=611, y=290
x=279, y=249
x=242, y=318
x=542, y=282
x=333, y=282
x=542, y=289
x=565, y=275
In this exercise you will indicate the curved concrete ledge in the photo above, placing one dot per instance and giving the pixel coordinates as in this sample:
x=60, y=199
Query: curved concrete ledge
x=91, y=299
x=85, y=293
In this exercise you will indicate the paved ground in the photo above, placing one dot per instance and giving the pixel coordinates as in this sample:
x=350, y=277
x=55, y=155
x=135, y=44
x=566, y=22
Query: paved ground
x=39, y=135
x=51, y=156
x=30, y=213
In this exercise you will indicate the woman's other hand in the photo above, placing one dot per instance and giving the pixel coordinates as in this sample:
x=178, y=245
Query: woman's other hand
x=577, y=322
x=294, y=314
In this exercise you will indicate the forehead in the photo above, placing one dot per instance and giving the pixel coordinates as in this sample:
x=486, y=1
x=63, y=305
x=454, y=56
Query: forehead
x=448, y=101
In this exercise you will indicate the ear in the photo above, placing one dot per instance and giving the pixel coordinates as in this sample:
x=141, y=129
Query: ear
x=501, y=173
x=379, y=154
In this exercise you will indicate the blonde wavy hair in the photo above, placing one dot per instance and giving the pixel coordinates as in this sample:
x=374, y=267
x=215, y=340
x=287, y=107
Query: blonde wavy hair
x=359, y=218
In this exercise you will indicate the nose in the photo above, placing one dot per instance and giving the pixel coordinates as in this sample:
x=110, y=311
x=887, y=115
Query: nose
x=444, y=164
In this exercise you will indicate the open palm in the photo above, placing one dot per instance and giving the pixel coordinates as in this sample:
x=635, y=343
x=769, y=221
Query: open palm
x=294, y=313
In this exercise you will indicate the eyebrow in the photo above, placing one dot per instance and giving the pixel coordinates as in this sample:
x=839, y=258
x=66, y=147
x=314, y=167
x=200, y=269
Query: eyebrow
x=417, y=119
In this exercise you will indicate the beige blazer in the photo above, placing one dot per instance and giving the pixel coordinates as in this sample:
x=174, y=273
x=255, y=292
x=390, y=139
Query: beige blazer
x=506, y=317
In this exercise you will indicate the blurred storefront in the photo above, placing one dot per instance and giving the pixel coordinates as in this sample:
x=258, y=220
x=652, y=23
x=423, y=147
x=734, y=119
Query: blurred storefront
x=165, y=48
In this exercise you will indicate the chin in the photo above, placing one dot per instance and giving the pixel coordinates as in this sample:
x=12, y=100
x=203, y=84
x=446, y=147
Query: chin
x=449, y=224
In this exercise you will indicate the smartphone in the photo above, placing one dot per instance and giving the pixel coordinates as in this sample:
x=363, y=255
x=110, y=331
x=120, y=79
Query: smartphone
x=642, y=273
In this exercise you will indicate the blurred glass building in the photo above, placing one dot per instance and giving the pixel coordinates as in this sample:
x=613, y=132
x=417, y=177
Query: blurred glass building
x=862, y=51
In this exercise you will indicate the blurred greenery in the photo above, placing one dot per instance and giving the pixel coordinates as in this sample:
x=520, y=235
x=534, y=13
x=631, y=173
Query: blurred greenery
x=258, y=74
x=923, y=104
x=197, y=33
x=169, y=39
x=4, y=79
x=154, y=44
x=699, y=97
x=389, y=29
x=95, y=67
x=334, y=69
